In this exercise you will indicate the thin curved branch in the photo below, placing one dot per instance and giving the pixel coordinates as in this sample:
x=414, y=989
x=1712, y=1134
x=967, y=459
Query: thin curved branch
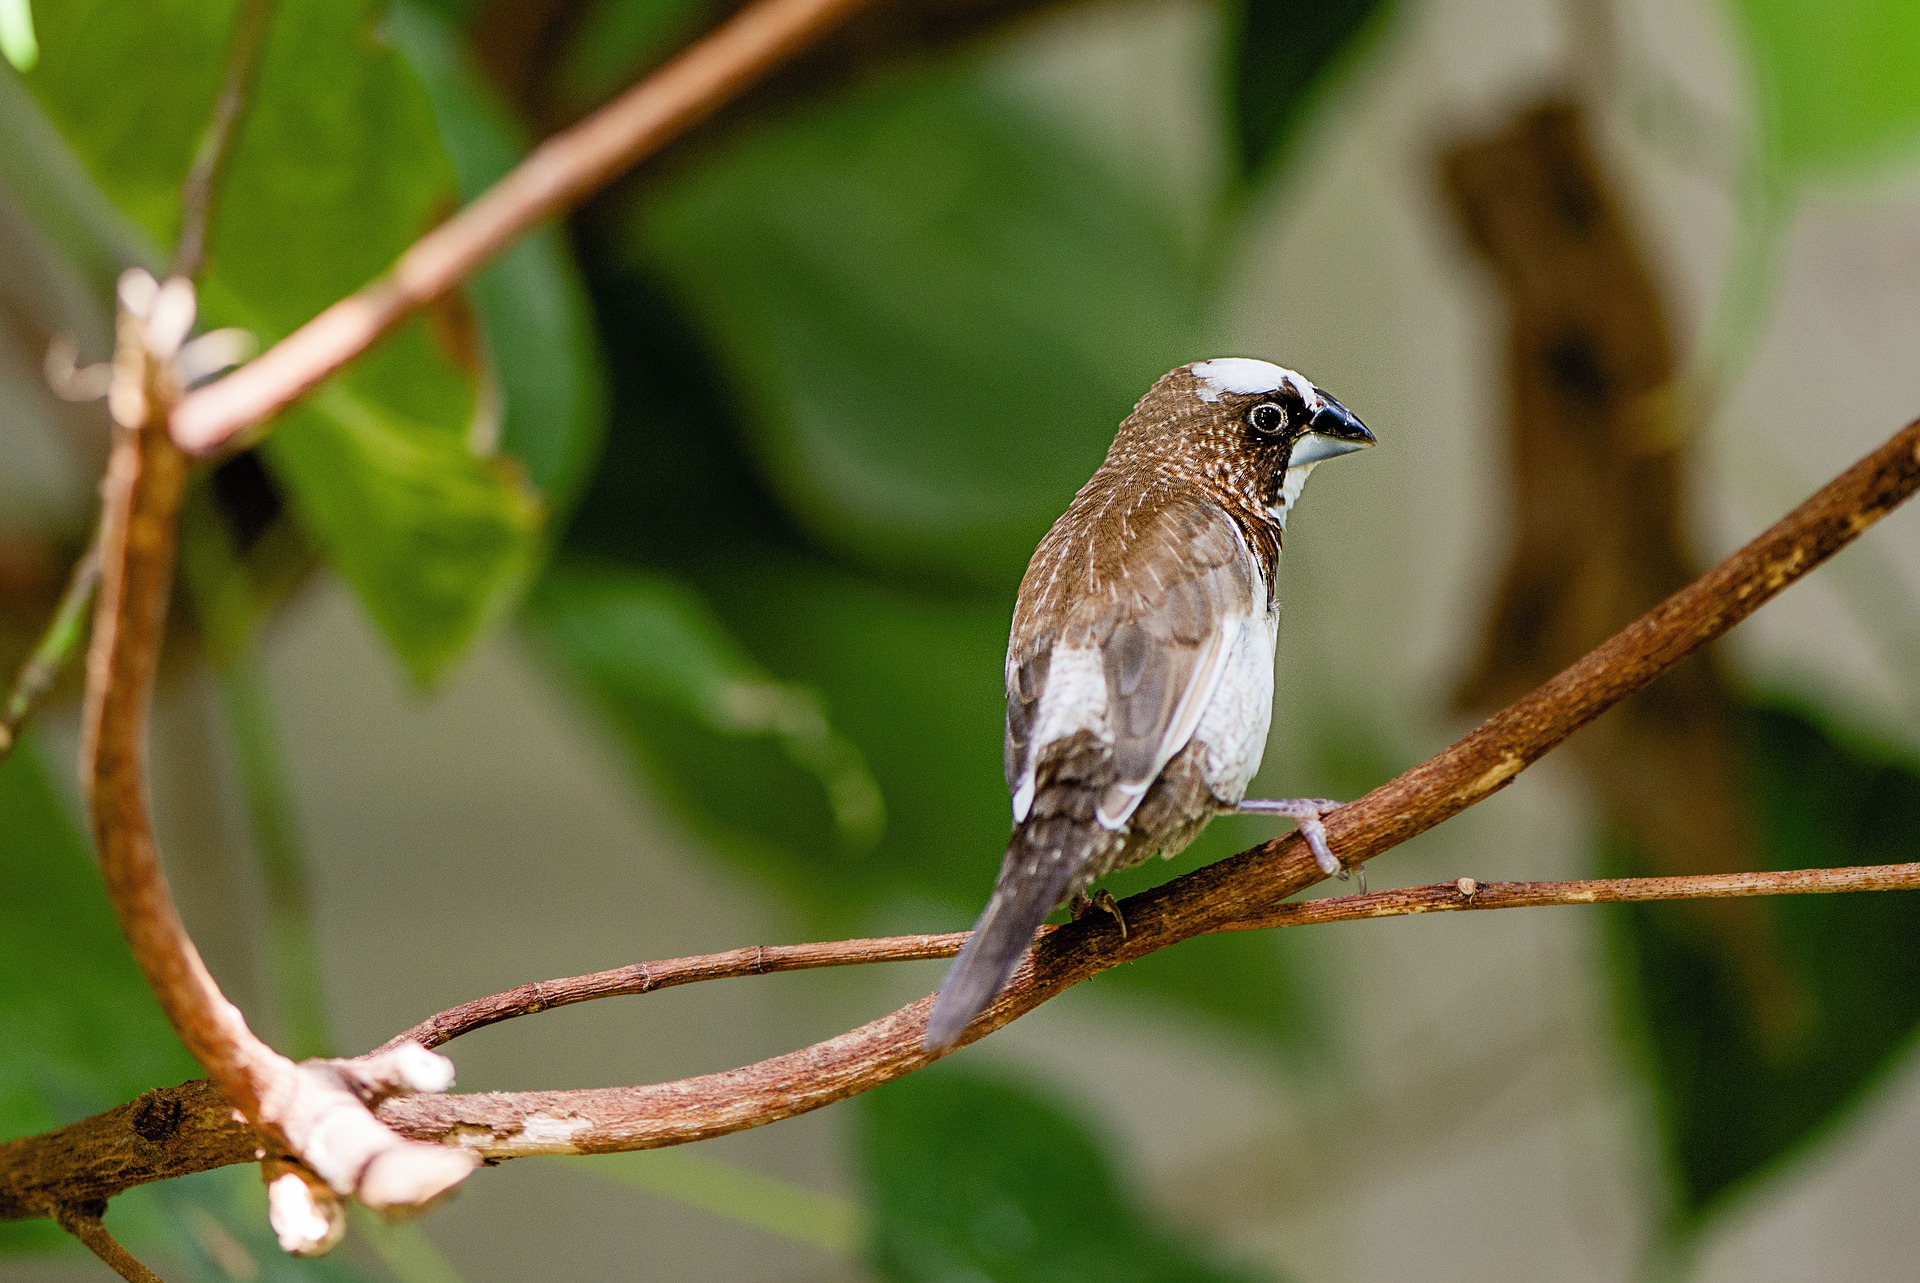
x=1437, y=897
x=312, y=1112
x=1466, y=893
x=557, y=175
x=104, y=1154
x=57, y=645
x=645, y=977
x=202, y=184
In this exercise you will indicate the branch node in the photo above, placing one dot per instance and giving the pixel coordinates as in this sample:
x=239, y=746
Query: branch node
x=307, y=1217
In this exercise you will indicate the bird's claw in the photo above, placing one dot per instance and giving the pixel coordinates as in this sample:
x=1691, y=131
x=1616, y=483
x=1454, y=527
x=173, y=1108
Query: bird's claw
x=1083, y=904
x=1306, y=813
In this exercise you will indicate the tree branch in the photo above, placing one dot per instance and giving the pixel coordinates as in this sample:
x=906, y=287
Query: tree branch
x=86, y=1226
x=1466, y=893
x=645, y=977
x=558, y=174
x=202, y=183
x=56, y=646
x=315, y=1113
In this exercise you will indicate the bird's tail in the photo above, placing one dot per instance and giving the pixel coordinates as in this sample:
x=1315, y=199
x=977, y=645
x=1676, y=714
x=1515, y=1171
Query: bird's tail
x=1044, y=858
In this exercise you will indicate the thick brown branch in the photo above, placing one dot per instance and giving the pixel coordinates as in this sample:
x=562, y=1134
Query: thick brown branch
x=556, y=176
x=85, y=1225
x=1237, y=894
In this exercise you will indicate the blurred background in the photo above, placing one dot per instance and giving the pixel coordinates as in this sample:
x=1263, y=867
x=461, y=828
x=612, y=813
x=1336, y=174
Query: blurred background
x=649, y=598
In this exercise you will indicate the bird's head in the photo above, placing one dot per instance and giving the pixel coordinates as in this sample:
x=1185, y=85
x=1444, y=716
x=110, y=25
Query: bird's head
x=1249, y=430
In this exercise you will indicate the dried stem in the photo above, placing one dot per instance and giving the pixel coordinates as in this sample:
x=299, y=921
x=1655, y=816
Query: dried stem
x=646, y=977
x=202, y=184
x=86, y=1226
x=558, y=174
x=57, y=645
x=1466, y=893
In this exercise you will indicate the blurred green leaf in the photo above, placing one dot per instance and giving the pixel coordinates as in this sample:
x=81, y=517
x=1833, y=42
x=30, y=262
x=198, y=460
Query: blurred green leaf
x=18, y=45
x=668, y=673
x=79, y=1032
x=933, y=307
x=534, y=317
x=1278, y=57
x=1734, y=1102
x=434, y=538
x=971, y=1178
x=337, y=167
x=616, y=40
x=1837, y=81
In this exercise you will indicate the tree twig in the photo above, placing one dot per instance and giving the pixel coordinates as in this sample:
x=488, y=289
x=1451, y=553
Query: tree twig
x=56, y=646
x=202, y=184
x=558, y=174
x=1467, y=893
x=645, y=977
x=313, y=1112
x=85, y=1225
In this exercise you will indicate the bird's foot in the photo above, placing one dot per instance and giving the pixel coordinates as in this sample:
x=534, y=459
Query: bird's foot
x=1083, y=904
x=1306, y=813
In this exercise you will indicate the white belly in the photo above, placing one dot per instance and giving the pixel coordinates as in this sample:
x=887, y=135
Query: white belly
x=1234, y=726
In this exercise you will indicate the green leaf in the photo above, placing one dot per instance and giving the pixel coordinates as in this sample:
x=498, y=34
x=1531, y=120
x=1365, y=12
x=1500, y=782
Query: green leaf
x=1279, y=56
x=1733, y=1101
x=434, y=539
x=79, y=1031
x=1837, y=82
x=761, y=757
x=971, y=1178
x=616, y=40
x=337, y=167
x=535, y=321
x=934, y=307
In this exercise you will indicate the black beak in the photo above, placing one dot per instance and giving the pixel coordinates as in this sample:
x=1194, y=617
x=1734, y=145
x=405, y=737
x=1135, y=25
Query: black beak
x=1332, y=432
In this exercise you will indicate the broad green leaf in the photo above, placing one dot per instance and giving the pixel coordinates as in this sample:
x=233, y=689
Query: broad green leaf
x=434, y=538
x=1278, y=58
x=338, y=165
x=972, y=1178
x=760, y=756
x=1837, y=82
x=535, y=320
x=933, y=308
x=1733, y=1102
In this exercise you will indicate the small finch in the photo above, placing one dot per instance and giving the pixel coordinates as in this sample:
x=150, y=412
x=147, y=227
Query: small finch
x=1140, y=669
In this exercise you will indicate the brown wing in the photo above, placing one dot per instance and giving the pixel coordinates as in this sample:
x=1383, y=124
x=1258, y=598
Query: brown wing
x=1125, y=620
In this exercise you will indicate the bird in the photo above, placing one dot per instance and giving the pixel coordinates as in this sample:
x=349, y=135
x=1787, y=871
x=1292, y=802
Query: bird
x=1140, y=666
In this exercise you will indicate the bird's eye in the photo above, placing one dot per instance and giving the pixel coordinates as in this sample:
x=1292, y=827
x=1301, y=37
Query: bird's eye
x=1267, y=419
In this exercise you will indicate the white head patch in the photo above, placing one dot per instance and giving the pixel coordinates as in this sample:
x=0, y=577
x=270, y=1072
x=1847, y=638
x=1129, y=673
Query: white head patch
x=1245, y=376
